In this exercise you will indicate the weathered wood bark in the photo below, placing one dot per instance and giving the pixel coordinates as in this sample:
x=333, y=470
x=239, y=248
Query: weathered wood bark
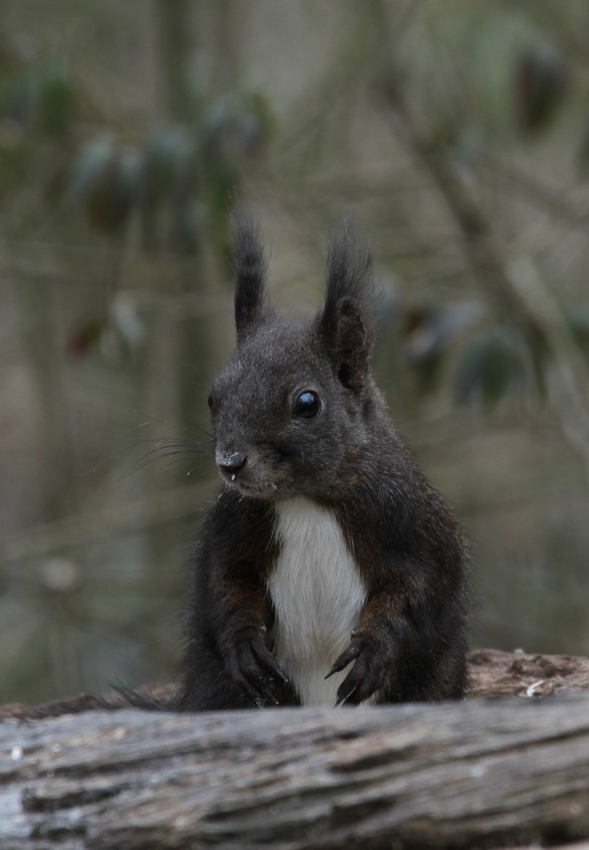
x=480, y=773
x=492, y=674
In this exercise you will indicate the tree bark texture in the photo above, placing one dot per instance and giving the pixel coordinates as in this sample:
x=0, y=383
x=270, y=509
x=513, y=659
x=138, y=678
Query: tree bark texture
x=480, y=773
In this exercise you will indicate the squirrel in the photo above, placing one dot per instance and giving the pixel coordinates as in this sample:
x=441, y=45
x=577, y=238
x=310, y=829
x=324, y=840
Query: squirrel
x=327, y=571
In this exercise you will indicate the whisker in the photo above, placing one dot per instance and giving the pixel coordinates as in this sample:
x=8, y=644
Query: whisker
x=175, y=441
x=171, y=465
x=153, y=419
x=170, y=442
x=147, y=479
x=149, y=459
x=162, y=445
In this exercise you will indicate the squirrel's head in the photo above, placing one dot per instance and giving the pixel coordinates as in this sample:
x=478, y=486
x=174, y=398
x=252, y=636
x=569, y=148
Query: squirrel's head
x=290, y=412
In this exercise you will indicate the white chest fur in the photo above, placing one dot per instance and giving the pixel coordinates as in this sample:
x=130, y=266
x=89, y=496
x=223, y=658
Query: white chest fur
x=318, y=597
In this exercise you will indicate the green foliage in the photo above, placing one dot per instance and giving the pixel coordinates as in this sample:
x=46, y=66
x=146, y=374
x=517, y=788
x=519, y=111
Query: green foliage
x=579, y=324
x=41, y=99
x=191, y=172
x=107, y=182
x=491, y=366
x=583, y=152
x=487, y=65
x=430, y=333
x=55, y=101
x=180, y=180
x=541, y=83
x=167, y=157
x=190, y=224
x=37, y=118
x=237, y=126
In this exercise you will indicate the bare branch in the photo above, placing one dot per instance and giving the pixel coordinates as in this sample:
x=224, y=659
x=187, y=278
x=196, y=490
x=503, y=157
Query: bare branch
x=515, y=285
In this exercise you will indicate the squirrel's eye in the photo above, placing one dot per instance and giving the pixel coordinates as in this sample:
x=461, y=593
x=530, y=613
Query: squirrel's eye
x=307, y=405
x=210, y=401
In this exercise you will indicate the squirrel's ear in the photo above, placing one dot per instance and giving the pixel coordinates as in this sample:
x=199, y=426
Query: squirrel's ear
x=347, y=323
x=250, y=275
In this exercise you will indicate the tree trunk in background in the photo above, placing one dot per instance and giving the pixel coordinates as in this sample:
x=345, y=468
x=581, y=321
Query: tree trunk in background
x=226, y=65
x=191, y=349
x=181, y=344
x=175, y=43
x=56, y=478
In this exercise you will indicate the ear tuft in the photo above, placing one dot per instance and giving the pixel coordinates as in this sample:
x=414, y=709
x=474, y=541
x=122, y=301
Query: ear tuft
x=250, y=275
x=349, y=268
x=347, y=323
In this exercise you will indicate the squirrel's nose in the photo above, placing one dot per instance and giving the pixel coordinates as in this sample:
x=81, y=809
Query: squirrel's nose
x=230, y=462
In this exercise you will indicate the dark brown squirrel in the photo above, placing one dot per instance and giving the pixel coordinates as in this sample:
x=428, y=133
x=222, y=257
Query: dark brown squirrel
x=326, y=547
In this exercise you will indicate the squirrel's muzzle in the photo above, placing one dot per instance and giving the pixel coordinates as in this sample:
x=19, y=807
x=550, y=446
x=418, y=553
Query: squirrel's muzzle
x=230, y=462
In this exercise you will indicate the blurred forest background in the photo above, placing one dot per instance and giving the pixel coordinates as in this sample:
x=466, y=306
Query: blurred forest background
x=456, y=132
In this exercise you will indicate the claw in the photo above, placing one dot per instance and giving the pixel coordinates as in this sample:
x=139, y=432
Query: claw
x=251, y=694
x=343, y=698
x=337, y=668
x=267, y=692
x=267, y=659
x=257, y=692
x=340, y=663
x=256, y=671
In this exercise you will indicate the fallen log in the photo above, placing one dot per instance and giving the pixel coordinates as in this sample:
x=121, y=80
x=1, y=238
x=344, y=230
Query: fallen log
x=480, y=773
x=492, y=673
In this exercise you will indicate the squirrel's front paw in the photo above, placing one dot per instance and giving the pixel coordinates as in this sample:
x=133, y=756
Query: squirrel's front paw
x=366, y=676
x=253, y=667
